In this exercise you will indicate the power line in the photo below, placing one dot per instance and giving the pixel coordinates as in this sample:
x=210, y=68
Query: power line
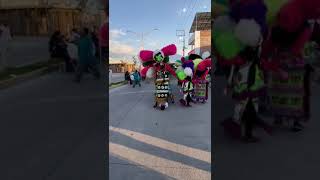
x=190, y=14
x=186, y=6
x=195, y=8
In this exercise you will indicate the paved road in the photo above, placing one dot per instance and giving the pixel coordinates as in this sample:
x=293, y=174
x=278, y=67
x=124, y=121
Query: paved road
x=53, y=129
x=145, y=143
x=285, y=155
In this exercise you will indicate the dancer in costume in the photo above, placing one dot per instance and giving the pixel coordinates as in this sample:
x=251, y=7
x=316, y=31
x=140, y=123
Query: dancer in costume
x=237, y=37
x=200, y=80
x=283, y=55
x=188, y=91
x=246, y=86
x=197, y=69
x=156, y=66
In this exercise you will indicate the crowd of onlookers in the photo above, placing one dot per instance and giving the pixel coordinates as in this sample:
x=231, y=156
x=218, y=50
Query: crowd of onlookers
x=133, y=78
x=81, y=50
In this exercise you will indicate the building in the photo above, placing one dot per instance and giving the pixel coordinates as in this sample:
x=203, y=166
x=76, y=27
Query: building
x=43, y=17
x=121, y=66
x=200, y=40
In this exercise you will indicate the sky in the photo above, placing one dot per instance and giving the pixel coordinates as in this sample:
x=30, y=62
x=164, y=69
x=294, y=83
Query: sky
x=142, y=16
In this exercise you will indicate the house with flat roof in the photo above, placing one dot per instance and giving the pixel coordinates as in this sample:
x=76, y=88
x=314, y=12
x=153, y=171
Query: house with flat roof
x=121, y=66
x=200, y=39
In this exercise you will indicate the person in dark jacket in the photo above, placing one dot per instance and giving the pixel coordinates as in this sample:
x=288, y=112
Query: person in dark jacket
x=58, y=49
x=127, y=77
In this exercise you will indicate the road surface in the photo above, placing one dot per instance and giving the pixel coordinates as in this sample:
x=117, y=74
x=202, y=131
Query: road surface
x=285, y=155
x=53, y=129
x=147, y=143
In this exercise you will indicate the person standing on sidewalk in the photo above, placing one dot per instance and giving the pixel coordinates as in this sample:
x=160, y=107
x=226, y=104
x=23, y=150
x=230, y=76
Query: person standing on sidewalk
x=137, y=78
x=74, y=36
x=127, y=77
x=86, y=56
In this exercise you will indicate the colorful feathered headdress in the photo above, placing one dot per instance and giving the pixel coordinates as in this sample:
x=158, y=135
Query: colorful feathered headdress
x=151, y=60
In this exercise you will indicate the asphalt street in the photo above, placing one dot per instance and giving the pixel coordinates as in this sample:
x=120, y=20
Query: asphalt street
x=53, y=129
x=147, y=143
x=284, y=156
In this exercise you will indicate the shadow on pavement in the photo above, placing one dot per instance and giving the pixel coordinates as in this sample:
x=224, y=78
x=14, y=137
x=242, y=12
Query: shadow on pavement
x=285, y=155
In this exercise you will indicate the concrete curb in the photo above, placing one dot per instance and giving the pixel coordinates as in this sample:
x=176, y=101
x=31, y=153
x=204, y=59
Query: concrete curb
x=117, y=84
x=28, y=76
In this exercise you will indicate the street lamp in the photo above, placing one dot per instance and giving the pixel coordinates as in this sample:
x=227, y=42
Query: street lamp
x=141, y=35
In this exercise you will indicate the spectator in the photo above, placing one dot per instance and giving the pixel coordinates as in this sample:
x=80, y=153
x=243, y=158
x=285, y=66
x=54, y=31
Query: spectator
x=127, y=77
x=95, y=39
x=74, y=36
x=86, y=56
x=73, y=53
x=58, y=48
x=136, y=78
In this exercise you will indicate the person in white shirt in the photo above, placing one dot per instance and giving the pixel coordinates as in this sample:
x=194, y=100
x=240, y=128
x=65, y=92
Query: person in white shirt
x=74, y=36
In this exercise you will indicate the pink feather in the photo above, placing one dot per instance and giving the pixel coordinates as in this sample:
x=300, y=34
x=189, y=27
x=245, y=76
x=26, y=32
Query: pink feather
x=203, y=65
x=146, y=55
x=291, y=17
x=169, y=50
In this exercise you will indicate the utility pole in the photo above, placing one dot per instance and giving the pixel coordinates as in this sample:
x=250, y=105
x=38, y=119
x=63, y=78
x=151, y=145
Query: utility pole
x=181, y=35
